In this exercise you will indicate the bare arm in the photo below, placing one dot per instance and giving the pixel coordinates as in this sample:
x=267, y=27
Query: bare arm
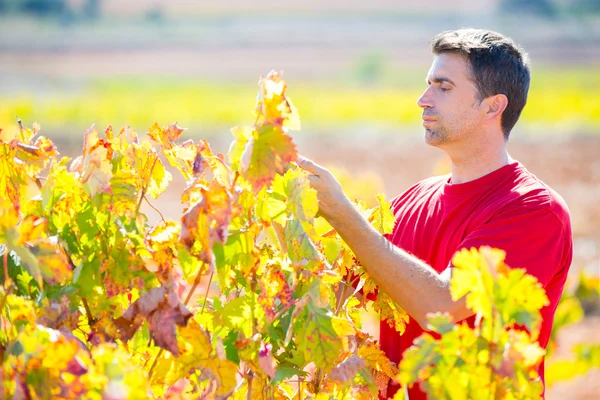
x=410, y=282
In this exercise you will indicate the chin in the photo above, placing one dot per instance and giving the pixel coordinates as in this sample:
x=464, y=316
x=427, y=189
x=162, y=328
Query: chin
x=434, y=138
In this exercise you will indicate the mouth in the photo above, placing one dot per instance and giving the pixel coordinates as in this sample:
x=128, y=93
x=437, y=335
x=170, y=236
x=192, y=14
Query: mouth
x=428, y=119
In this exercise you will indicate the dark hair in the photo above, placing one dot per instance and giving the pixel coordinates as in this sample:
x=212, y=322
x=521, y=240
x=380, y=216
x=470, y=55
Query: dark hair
x=498, y=66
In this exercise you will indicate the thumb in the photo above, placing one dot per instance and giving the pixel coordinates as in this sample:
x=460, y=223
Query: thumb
x=309, y=165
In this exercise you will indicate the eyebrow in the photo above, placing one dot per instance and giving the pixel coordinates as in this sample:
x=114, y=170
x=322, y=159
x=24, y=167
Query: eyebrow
x=440, y=79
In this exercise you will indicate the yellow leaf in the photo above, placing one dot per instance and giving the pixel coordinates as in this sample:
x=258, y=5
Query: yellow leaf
x=222, y=372
x=273, y=105
x=375, y=358
x=159, y=180
x=163, y=235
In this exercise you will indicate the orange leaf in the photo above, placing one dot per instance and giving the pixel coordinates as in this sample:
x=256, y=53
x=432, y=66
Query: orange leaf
x=165, y=136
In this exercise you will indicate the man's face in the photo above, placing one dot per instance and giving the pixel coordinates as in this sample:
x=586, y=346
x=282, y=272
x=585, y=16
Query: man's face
x=451, y=109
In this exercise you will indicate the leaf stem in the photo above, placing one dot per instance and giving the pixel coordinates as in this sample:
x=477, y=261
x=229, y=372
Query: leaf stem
x=38, y=183
x=154, y=363
x=235, y=178
x=21, y=129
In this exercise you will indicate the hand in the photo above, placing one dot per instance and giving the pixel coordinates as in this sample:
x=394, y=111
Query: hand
x=329, y=191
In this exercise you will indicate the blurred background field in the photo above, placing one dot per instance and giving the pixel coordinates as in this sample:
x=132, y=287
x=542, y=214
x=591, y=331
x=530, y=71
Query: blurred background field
x=355, y=70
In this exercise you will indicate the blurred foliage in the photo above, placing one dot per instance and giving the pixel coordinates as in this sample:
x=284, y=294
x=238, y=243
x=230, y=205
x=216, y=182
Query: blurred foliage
x=588, y=293
x=559, y=98
x=583, y=299
x=359, y=187
x=587, y=356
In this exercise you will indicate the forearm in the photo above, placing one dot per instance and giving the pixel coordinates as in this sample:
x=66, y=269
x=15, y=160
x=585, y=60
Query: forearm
x=410, y=282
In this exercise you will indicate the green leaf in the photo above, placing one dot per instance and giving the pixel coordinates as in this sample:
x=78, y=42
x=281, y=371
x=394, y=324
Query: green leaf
x=284, y=372
x=271, y=208
x=86, y=275
x=300, y=246
x=301, y=198
x=238, y=314
x=417, y=359
x=519, y=298
x=319, y=342
x=440, y=323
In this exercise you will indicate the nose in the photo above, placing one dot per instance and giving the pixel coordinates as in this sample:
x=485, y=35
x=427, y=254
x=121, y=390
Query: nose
x=425, y=100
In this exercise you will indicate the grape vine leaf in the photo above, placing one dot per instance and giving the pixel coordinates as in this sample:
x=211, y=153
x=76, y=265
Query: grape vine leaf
x=274, y=105
x=301, y=199
x=266, y=152
x=206, y=220
x=320, y=342
x=163, y=310
x=472, y=277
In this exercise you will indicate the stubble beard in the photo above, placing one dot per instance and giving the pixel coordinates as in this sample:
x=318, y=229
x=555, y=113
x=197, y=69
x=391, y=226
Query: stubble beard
x=436, y=137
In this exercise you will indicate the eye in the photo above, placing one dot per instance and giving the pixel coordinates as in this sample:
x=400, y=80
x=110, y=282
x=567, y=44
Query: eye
x=444, y=89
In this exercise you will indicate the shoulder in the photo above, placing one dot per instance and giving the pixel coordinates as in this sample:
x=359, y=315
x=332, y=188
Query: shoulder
x=528, y=193
x=422, y=188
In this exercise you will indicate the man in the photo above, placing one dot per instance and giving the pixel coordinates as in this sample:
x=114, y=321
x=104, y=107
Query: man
x=476, y=90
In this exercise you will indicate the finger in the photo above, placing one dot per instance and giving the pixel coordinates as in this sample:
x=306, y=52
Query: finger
x=309, y=165
x=312, y=179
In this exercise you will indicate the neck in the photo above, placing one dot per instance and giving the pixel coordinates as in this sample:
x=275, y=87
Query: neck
x=478, y=161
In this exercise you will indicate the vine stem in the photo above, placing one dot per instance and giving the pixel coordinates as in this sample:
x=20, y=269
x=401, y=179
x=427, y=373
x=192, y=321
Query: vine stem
x=250, y=379
x=2, y=319
x=207, y=289
x=341, y=299
x=5, y=263
x=251, y=374
x=145, y=187
x=280, y=234
x=235, y=178
x=88, y=312
x=86, y=306
x=154, y=208
x=8, y=290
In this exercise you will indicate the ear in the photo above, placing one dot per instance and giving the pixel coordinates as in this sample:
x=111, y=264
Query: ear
x=495, y=107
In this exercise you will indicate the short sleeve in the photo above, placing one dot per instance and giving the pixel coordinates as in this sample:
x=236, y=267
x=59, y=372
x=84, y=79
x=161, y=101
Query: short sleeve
x=534, y=239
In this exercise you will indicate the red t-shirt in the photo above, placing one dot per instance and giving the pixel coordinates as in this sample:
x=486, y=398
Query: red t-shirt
x=509, y=209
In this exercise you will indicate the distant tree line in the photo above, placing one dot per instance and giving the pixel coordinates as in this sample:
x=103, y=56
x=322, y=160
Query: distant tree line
x=550, y=8
x=53, y=8
x=92, y=8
